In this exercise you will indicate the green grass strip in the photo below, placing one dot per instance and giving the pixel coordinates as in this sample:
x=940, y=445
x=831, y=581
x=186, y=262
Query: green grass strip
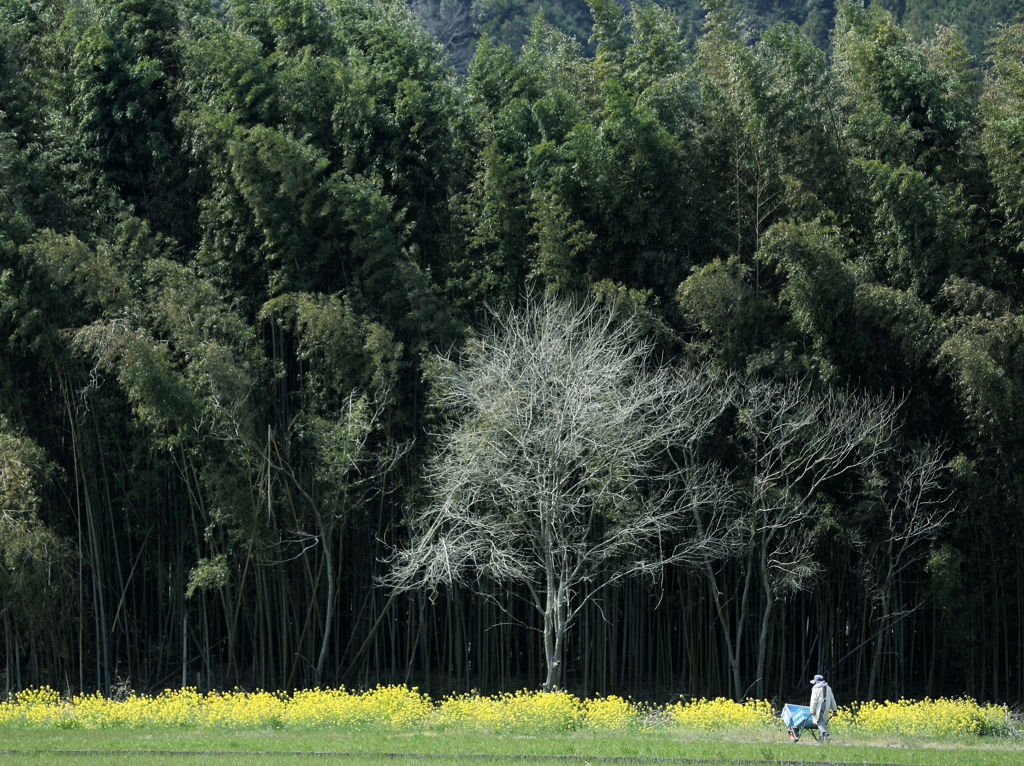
x=448, y=756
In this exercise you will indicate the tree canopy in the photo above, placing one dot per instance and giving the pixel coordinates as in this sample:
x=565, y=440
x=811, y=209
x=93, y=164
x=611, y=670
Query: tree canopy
x=301, y=311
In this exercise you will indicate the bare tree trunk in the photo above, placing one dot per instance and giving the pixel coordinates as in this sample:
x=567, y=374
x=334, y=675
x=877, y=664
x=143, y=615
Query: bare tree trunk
x=552, y=644
x=879, y=649
x=554, y=630
x=9, y=650
x=733, y=637
x=325, y=540
x=762, y=643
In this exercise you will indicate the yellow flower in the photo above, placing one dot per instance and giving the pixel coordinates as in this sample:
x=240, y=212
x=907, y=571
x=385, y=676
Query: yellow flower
x=926, y=718
x=722, y=714
x=390, y=708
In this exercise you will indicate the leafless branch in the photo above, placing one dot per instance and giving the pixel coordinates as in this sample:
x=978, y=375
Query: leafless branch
x=570, y=462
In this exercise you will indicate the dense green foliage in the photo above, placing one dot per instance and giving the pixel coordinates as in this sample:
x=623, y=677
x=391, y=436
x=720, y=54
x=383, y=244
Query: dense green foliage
x=237, y=239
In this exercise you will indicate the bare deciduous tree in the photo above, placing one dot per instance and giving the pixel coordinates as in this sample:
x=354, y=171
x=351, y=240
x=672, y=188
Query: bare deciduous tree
x=908, y=502
x=793, y=442
x=449, y=23
x=571, y=462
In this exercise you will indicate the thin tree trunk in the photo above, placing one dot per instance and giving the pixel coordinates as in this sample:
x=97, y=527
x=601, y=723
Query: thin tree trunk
x=876, y=662
x=184, y=647
x=762, y=644
x=329, y=611
x=733, y=646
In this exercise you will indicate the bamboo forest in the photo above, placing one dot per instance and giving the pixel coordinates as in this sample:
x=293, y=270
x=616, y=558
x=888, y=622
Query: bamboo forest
x=673, y=352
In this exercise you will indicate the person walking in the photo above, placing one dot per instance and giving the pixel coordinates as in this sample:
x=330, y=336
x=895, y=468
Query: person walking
x=823, y=705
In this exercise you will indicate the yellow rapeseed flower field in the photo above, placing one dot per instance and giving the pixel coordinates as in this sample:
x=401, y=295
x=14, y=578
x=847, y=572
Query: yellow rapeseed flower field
x=723, y=714
x=400, y=708
x=925, y=718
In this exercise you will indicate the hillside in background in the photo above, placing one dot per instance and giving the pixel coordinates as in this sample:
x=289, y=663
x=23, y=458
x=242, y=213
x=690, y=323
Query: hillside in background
x=458, y=24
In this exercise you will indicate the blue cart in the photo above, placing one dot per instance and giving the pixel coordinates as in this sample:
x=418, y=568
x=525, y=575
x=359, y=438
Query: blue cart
x=797, y=718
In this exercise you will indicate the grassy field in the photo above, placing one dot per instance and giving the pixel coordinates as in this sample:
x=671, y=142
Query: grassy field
x=270, y=747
